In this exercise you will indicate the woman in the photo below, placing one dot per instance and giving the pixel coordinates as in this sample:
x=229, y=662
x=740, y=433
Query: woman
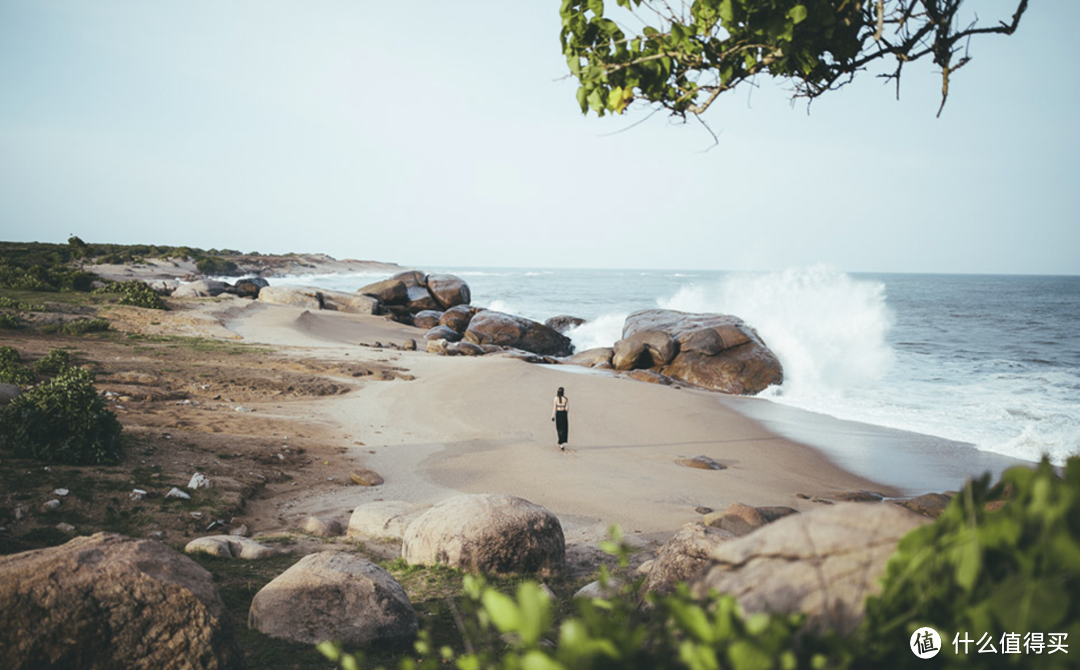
x=560, y=415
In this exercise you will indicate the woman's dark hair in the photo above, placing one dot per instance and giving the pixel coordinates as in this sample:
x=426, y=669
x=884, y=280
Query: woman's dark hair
x=559, y=392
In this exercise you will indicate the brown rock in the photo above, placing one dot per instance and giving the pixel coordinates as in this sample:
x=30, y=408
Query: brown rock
x=930, y=504
x=738, y=519
x=823, y=563
x=684, y=557
x=657, y=348
x=458, y=317
x=428, y=319
x=773, y=513
x=295, y=296
x=411, y=278
x=504, y=330
x=419, y=299
x=365, y=477
x=860, y=496
x=442, y=333
x=334, y=595
x=388, y=291
x=106, y=601
x=485, y=533
x=464, y=349
x=628, y=355
x=649, y=376
x=593, y=358
x=701, y=463
x=352, y=303
x=449, y=290
x=564, y=322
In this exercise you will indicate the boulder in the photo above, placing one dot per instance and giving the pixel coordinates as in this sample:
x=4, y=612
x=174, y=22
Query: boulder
x=334, y=595
x=202, y=288
x=353, y=303
x=320, y=527
x=106, y=601
x=296, y=296
x=449, y=290
x=464, y=349
x=929, y=504
x=648, y=348
x=411, y=278
x=365, y=477
x=777, y=512
x=732, y=358
x=628, y=355
x=458, y=317
x=505, y=330
x=388, y=291
x=231, y=546
x=427, y=319
x=398, y=313
x=487, y=533
x=384, y=519
x=442, y=333
x=823, y=563
x=419, y=299
x=249, y=287
x=9, y=392
x=738, y=519
x=593, y=358
x=684, y=557
x=564, y=323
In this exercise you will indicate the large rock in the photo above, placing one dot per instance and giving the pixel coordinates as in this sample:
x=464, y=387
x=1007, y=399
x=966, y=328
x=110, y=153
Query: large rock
x=230, y=546
x=738, y=519
x=442, y=333
x=487, y=533
x=600, y=357
x=427, y=319
x=334, y=595
x=249, y=287
x=458, y=317
x=684, y=557
x=411, y=278
x=564, y=322
x=353, y=303
x=824, y=563
x=419, y=299
x=107, y=601
x=505, y=330
x=202, y=288
x=296, y=296
x=645, y=349
x=715, y=351
x=388, y=291
x=449, y=290
x=384, y=519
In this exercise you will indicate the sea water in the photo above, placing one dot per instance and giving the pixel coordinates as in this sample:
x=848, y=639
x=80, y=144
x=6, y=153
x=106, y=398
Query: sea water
x=989, y=362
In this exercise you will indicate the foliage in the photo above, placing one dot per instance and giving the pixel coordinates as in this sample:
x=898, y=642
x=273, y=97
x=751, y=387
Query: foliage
x=62, y=421
x=1013, y=570
x=218, y=267
x=8, y=322
x=12, y=371
x=19, y=305
x=518, y=631
x=78, y=327
x=688, y=53
x=134, y=292
x=53, y=363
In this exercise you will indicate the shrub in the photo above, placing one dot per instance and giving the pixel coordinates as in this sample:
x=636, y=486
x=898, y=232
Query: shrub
x=134, y=293
x=8, y=322
x=218, y=267
x=19, y=305
x=78, y=327
x=63, y=421
x=53, y=363
x=12, y=371
x=976, y=572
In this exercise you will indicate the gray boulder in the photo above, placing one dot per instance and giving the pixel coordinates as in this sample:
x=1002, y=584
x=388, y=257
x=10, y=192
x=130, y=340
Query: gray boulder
x=487, y=533
x=823, y=563
x=202, y=288
x=106, y=601
x=442, y=333
x=732, y=358
x=230, y=546
x=564, y=322
x=505, y=330
x=9, y=392
x=295, y=296
x=684, y=557
x=334, y=595
x=384, y=519
x=449, y=290
x=249, y=287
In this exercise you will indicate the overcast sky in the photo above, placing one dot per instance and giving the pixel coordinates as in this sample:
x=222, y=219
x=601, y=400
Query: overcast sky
x=445, y=135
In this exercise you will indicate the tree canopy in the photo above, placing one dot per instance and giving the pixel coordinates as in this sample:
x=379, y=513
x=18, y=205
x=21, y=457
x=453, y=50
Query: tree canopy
x=686, y=54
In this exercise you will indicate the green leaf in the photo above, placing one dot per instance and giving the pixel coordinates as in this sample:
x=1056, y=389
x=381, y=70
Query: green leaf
x=797, y=14
x=970, y=561
x=537, y=660
x=503, y=611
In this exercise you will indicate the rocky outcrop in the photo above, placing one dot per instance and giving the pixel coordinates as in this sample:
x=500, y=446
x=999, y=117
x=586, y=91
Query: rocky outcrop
x=385, y=519
x=645, y=349
x=713, y=351
x=600, y=357
x=684, y=557
x=486, y=533
x=505, y=330
x=823, y=563
x=334, y=595
x=106, y=601
x=416, y=292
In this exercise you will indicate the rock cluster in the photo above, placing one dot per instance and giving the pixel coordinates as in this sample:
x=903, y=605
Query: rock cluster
x=713, y=351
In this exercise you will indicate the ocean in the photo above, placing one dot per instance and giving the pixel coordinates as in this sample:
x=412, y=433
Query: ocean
x=989, y=363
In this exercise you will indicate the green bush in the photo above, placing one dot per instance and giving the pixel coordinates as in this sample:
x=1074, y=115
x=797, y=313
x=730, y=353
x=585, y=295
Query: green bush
x=19, y=305
x=12, y=371
x=53, y=363
x=218, y=267
x=1013, y=570
x=135, y=293
x=63, y=421
x=8, y=322
x=78, y=327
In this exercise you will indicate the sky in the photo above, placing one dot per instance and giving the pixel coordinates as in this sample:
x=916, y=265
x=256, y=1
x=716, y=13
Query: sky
x=447, y=135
